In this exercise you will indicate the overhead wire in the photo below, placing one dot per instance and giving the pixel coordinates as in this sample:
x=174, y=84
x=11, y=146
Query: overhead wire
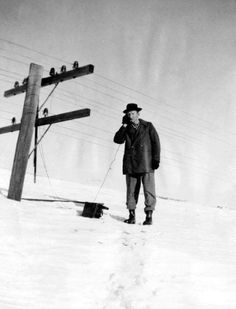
x=45, y=101
x=99, y=75
x=156, y=100
x=190, y=158
x=14, y=73
x=205, y=170
x=175, y=132
x=30, y=49
x=98, y=137
x=44, y=163
x=38, y=142
x=120, y=100
x=51, y=92
x=125, y=87
x=97, y=102
x=47, y=174
x=14, y=60
x=102, y=92
x=75, y=130
x=200, y=168
x=184, y=135
x=108, y=79
x=183, y=125
x=80, y=139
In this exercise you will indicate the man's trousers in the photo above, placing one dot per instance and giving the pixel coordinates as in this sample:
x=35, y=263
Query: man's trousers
x=133, y=184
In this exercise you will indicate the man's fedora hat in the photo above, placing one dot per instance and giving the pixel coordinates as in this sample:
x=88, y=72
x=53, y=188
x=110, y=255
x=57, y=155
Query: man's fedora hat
x=132, y=107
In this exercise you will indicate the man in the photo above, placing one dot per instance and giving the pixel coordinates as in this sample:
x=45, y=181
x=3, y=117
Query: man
x=141, y=158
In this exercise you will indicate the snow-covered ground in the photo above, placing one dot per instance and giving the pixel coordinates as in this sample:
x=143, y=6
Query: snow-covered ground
x=52, y=257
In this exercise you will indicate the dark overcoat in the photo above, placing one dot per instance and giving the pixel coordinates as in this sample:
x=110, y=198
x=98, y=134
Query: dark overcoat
x=141, y=150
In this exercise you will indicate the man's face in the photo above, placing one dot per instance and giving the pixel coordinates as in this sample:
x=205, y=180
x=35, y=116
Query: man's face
x=133, y=116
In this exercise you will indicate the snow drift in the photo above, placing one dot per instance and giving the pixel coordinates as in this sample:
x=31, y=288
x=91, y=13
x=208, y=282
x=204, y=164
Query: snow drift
x=52, y=257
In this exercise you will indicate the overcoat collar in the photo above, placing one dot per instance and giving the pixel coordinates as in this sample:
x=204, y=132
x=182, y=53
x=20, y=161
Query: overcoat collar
x=141, y=130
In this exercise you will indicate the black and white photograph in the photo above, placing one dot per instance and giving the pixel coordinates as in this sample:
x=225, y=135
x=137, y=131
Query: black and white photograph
x=117, y=154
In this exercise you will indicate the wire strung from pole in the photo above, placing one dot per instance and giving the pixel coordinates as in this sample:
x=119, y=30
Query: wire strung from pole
x=101, y=77
x=44, y=164
x=48, y=96
x=105, y=177
x=125, y=94
x=39, y=141
x=59, y=199
x=49, y=125
x=46, y=171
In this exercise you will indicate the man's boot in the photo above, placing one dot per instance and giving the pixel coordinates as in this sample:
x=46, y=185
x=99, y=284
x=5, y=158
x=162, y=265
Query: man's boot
x=148, y=220
x=131, y=219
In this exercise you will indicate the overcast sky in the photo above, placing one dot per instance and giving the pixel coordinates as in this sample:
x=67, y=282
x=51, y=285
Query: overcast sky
x=174, y=58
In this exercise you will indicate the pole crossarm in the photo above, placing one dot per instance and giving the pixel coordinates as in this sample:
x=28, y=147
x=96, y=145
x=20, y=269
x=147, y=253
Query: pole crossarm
x=63, y=117
x=50, y=120
x=46, y=81
x=12, y=128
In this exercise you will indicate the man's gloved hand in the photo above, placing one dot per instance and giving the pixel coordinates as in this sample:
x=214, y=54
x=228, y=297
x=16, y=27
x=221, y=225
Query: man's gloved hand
x=125, y=119
x=155, y=164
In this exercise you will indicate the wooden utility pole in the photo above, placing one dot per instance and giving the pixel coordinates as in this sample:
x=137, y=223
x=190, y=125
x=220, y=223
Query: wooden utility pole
x=26, y=132
x=30, y=119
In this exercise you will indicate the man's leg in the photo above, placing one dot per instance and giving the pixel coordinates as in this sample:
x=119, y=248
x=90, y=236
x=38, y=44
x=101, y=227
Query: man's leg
x=133, y=187
x=149, y=191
